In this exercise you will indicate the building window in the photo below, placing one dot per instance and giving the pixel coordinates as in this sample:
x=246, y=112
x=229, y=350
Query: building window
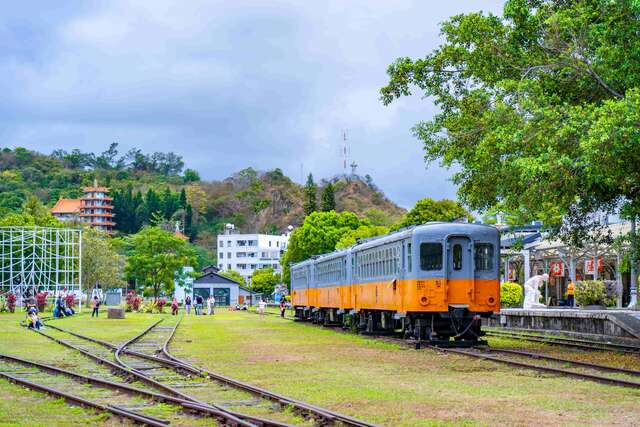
x=252, y=242
x=277, y=244
x=431, y=256
x=241, y=254
x=484, y=256
x=254, y=266
x=265, y=255
x=228, y=254
x=242, y=243
x=221, y=255
x=228, y=266
x=269, y=243
x=221, y=244
x=229, y=243
x=221, y=266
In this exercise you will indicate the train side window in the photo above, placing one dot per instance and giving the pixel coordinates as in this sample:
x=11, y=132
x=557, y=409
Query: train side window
x=457, y=257
x=409, y=256
x=430, y=256
x=484, y=256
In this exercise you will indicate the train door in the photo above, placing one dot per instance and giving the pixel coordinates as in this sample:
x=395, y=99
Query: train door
x=459, y=270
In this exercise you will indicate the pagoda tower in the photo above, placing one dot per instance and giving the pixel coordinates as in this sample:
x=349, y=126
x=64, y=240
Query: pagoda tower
x=96, y=208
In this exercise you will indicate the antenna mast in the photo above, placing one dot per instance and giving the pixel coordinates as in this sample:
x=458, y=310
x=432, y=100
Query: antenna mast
x=344, y=152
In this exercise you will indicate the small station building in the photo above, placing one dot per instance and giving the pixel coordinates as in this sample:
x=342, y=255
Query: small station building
x=226, y=291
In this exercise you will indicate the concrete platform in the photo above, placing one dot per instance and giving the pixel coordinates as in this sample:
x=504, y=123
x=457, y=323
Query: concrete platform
x=622, y=325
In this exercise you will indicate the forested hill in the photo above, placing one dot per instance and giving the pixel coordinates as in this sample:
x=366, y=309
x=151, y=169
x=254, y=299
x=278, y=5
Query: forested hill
x=156, y=188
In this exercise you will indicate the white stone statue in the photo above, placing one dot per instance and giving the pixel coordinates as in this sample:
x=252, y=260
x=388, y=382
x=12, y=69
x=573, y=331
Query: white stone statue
x=532, y=291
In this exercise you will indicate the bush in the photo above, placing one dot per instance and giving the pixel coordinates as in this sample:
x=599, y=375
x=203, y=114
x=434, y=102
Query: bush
x=148, y=307
x=41, y=300
x=510, y=294
x=590, y=292
x=11, y=302
x=132, y=301
x=160, y=305
x=3, y=304
x=70, y=300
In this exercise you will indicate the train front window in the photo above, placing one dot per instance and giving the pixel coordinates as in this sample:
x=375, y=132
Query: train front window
x=457, y=257
x=431, y=256
x=484, y=256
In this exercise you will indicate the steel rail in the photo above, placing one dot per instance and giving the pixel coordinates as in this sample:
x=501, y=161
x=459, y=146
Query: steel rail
x=317, y=412
x=584, y=344
x=196, y=407
x=77, y=400
x=562, y=360
x=237, y=418
x=565, y=372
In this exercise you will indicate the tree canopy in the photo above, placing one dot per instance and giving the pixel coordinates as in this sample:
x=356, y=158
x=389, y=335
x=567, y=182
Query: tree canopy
x=264, y=280
x=328, y=198
x=310, y=194
x=101, y=263
x=538, y=108
x=427, y=210
x=318, y=234
x=362, y=232
x=234, y=275
x=154, y=256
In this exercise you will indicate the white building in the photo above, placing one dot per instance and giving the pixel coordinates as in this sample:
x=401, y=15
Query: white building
x=246, y=253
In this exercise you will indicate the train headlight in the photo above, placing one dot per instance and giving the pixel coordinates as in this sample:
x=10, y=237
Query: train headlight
x=424, y=301
x=491, y=301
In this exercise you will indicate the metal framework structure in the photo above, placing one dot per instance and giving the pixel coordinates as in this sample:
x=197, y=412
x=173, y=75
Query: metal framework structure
x=34, y=259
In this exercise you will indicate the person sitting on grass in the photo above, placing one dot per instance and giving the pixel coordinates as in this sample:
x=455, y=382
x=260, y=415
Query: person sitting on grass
x=33, y=321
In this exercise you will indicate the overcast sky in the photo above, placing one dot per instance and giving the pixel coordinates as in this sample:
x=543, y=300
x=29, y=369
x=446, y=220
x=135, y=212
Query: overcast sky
x=225, y=84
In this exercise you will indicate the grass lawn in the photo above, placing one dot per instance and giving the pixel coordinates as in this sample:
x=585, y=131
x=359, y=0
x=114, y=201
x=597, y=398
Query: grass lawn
x=378, y=381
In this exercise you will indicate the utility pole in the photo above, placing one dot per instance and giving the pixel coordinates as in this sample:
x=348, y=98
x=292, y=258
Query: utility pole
x=633, y=286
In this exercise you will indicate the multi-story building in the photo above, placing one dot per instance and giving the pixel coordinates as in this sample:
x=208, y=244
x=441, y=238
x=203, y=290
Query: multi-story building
x=246, y=253
x=96, y=208
x=67, y=210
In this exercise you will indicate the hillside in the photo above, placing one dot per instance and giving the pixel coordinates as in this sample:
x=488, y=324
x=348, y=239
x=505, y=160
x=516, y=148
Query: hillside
x=147, y=189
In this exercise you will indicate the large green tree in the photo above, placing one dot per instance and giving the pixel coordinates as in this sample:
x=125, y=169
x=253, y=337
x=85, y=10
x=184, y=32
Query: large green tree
x=264, y=281
x=318, y=234
x=539, y=108
x=310, y=196
x=427, y=210
x=102, y=264
x=362, y=232
x=154, y=256
x=234, y=275
x=328, y=199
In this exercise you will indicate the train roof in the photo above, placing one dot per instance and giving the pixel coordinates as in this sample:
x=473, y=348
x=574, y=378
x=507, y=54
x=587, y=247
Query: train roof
x=437, y=229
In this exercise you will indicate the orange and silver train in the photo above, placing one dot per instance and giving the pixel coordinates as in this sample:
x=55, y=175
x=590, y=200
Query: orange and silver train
x=432, y=282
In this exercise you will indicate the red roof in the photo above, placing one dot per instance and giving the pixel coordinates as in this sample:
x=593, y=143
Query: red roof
x=66, y=206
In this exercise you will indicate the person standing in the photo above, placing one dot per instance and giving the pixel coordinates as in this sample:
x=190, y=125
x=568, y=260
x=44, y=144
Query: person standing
x=261, y=307
x=571, y=289
x=199, y=302
x=283, y=307
x=211, y=303
x=95, y=304
x=187, y=304
x=174, y=306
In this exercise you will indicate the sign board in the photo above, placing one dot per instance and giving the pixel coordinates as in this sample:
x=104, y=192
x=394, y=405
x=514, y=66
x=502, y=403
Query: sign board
x=589, y=266
x=556, y=268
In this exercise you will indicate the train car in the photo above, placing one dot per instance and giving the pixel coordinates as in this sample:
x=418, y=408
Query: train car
x=432, y=282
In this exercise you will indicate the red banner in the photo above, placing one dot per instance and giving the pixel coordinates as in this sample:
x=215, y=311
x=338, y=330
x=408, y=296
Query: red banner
x=589, y=266
x=556, y=268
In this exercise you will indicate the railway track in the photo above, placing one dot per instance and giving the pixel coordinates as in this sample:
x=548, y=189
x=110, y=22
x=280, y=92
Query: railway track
x=545, y=363
x=146, y=358
x=563, y=341
x=565, y=367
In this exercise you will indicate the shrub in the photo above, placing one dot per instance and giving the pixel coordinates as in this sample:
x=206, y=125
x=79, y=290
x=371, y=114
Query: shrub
x=590, y=292
x=160, y=305
x=70, y=300
x=41, y=300
x=11, y=302
x=3, y=304
x=148, y=307
x=510, y=294
x=132, y=301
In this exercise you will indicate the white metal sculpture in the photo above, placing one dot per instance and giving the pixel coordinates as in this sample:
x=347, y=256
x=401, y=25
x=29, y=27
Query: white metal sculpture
x=532, y=291
x=34, y=259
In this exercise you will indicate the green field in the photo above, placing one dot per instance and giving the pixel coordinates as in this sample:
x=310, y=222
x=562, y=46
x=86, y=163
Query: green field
x=376, y=380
